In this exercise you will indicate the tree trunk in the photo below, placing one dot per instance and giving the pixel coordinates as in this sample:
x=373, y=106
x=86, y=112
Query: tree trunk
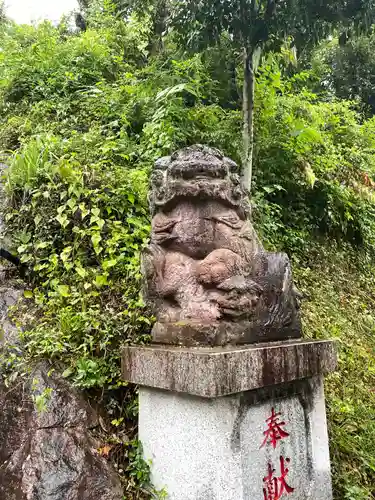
x=159, y=26
x=248, y=118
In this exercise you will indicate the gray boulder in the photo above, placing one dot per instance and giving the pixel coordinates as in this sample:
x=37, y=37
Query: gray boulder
x=49, y=454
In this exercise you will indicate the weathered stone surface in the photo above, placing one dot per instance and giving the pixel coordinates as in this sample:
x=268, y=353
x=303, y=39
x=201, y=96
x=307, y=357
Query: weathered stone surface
x=51, y=455
x=204, y=449
x=213, y=372
x=11, y=291
x=208, y=278
x=9, y=296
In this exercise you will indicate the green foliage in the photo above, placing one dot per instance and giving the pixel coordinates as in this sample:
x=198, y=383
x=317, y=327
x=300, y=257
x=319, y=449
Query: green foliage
x=338, y=286
x=28, y=164
x=255, y=26
x=41, y=400
x=84, y=116
x=349, y=69
x=138, y=471
x=258, y=23
x=67, y=224
x=252, y=23
x=314, y=160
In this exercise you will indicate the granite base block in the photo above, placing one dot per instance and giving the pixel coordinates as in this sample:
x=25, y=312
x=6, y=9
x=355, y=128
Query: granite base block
x=237, y=422
x=223, y=449
x=220, y=371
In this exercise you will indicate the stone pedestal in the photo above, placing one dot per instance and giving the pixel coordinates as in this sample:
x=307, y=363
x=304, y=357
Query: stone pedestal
x=235, y=423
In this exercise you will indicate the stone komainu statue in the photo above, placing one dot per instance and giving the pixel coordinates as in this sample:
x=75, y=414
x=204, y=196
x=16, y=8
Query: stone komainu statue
x=207, y=277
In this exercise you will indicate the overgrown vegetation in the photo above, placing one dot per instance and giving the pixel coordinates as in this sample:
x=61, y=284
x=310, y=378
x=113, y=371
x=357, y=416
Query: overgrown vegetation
x=83, y=117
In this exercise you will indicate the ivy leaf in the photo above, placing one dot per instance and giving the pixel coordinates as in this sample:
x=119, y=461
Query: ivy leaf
x=81, y=271
x=72, y=204
x=22, y=249
x=109, y=263
x=101, y=280
x=84, y=210
x=64, y=256
x=41, y=244
x=63, y=290
x=63, y=220
x=96, y=239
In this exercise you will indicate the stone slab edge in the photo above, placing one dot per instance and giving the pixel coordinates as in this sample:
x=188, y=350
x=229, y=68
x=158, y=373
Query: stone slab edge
x=214, y=372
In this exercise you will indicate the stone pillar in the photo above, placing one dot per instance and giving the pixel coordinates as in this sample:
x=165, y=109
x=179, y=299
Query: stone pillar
x=236, y=422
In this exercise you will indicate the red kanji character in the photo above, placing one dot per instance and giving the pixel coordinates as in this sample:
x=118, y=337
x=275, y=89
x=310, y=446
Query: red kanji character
x=275, y=487
x=271, y=488
x=284, y=486
x=275, y=430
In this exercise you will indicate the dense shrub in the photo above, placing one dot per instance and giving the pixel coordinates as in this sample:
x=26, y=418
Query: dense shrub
x=83, y=117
